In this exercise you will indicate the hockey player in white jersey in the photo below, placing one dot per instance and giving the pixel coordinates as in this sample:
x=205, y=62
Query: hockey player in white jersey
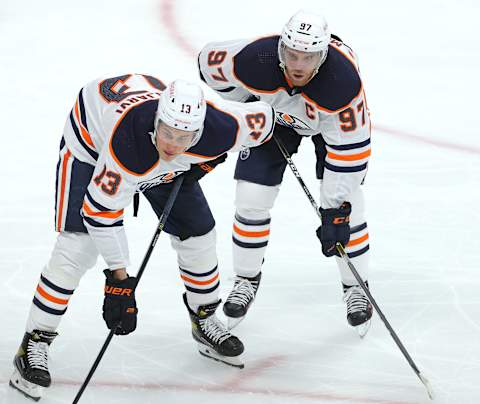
x=312, y=80
x=125, y=135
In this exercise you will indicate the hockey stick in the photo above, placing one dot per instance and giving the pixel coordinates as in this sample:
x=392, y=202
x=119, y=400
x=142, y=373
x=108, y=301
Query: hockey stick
x=346, y=259
x=423, y=379
x=161, y=224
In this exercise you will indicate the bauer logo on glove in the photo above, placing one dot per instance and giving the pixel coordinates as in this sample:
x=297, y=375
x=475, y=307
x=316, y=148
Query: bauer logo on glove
x=119, y=305
x=110, y=290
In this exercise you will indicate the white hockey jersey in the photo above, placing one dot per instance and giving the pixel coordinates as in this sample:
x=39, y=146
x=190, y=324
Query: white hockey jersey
x=332, y=104
x=110, y=128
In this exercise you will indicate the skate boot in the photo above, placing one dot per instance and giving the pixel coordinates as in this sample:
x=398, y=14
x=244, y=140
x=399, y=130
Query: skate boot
x=31, y=374
x=359, y=309
x=240, y=298
x=214, y=340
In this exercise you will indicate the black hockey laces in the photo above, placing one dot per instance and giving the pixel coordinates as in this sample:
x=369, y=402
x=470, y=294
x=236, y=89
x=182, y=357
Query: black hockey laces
x=243, y=291
x=214, y=329
x=356, y=300
x=37, y=354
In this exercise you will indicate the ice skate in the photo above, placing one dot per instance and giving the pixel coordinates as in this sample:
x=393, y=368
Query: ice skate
x=214, y=340
x=31, y=373
x=359, y=309
x=240, y=299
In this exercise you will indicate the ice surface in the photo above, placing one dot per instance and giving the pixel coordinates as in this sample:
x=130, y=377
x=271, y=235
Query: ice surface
x=420, y=63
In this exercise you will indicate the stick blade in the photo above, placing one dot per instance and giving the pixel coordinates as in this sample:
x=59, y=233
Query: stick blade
x=427, y=385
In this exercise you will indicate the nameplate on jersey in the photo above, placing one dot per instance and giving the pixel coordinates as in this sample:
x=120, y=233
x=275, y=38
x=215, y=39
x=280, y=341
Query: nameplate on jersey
x=144, y=96
x=290, y=121
x=159, y=179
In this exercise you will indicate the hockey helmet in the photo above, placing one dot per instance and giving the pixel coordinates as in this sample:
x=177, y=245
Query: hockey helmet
x=182, y=106
x=305, y=32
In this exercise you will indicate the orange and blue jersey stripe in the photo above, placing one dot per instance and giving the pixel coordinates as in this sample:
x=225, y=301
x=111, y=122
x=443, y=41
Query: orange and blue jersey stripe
x=78, y=121
x=97, y=215
x=348, y=158
x=63, y=187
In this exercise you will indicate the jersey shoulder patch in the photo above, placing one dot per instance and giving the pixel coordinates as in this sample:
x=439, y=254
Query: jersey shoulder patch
x=257, y=65
x=336, y=84
x=219, y=134
x=131, y=144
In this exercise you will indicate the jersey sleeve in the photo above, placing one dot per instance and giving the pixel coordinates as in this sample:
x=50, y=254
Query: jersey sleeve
x=109, y=192
x=216, y=68
x=125, y=158
x=347, y=137
x=256, y=124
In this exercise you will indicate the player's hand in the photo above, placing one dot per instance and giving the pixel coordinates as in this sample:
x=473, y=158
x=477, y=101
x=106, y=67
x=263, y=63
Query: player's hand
x=335, y=228
x=197, y=171
x=119, y=306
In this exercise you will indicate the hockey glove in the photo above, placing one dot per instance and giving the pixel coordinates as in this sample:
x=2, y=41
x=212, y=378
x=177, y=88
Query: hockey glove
x=197, y=171
x=119, y=306
x=335, y=228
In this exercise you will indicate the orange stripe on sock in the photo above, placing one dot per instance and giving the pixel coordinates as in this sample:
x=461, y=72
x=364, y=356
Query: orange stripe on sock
x=349, y=157
x=357, y=241
x=250, y=233
x=51, y=298
x=201, y=283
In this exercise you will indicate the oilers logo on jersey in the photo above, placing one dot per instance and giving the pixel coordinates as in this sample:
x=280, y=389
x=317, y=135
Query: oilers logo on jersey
x=164, y=178
x=290, y=121
x=244, y=154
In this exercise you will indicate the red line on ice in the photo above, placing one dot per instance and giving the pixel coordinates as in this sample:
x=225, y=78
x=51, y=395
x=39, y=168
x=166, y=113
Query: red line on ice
x=220, y=388
x=169, y=21
x=250, y=372
x=421, y=139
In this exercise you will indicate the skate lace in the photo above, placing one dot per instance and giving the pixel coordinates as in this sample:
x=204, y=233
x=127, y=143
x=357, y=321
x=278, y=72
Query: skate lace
x=243, y=292
x=37, y=354
x=355, y=299
x=214, y=329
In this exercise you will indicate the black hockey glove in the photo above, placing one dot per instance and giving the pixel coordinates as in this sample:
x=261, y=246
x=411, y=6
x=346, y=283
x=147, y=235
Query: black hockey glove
x=335, y=228
x=119, y=306
x=197, y=171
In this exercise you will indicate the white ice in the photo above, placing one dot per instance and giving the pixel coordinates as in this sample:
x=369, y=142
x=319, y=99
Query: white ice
x=420, y=62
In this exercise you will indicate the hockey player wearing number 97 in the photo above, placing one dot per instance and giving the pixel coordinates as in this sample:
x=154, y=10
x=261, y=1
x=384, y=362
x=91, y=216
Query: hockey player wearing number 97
x=312, y=80
x=125, y=135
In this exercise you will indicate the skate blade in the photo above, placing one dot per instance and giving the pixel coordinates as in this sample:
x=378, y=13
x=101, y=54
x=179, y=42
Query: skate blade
x=362, y=329
x=228, y=360
x=232, y=322
x=28, y=389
